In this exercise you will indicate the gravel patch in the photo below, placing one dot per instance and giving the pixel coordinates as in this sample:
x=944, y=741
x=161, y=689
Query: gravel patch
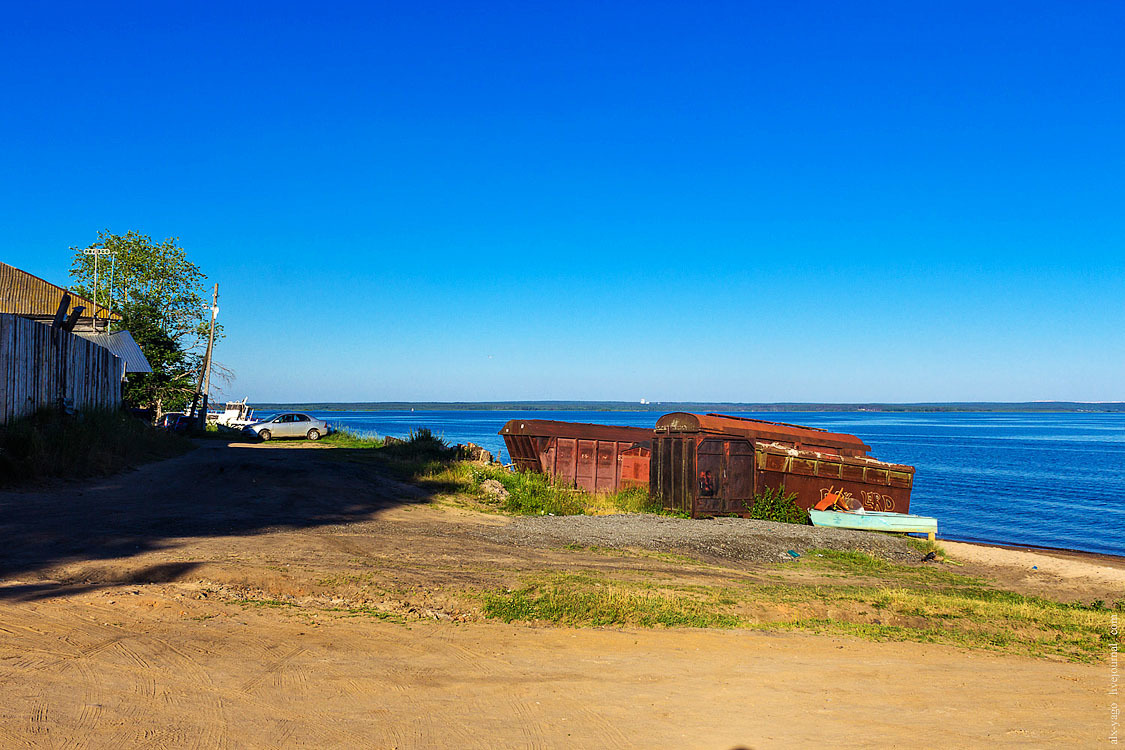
x=726, y=538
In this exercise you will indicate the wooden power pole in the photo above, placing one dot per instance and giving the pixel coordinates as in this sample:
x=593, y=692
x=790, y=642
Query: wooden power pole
x=205, y=375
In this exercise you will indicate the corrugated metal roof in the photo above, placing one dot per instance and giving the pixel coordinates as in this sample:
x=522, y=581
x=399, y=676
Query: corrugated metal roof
x=121, y=343
x=24, y=294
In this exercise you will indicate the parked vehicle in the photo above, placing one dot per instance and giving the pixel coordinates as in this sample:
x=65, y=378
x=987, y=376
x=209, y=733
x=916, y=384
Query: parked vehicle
x=176, y=422
x=289, y=426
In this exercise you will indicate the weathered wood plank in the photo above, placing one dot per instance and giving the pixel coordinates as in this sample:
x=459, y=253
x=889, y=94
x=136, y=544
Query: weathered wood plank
x=39, y=365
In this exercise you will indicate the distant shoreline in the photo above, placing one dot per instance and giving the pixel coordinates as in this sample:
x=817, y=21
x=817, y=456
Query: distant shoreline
x=703, y=407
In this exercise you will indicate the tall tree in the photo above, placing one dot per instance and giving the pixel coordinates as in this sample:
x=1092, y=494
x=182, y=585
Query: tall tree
x=159, y=294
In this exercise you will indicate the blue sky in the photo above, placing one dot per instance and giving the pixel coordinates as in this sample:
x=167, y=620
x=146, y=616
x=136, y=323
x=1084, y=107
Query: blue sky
x=714, y=201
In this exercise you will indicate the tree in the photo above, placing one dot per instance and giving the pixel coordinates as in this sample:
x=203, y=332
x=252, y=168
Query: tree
x=160, y=295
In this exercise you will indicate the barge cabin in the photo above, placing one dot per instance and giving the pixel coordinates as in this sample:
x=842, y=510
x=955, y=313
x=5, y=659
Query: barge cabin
x=712, y=464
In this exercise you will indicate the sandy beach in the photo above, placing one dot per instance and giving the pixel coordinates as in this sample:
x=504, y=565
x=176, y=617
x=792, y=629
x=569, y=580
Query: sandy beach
x=275, y=596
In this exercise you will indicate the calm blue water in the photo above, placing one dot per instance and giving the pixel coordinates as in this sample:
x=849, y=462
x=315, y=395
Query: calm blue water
x=1052, y=480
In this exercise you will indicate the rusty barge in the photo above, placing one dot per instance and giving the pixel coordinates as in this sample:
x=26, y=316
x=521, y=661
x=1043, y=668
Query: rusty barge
x=711, y=464
x=591, y=457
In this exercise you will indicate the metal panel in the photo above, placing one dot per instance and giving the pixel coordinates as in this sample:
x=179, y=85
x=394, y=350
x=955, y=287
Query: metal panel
x=877, y=484
x=788, y=435
x=122, y=345
x=606, y=478
x=635, y=466
x=587, y=471
x=739, y=474
x=584, y=455
x=565, y=468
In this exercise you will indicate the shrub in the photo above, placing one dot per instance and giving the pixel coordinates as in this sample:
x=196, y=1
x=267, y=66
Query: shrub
x=52, y=444
x=775, y=505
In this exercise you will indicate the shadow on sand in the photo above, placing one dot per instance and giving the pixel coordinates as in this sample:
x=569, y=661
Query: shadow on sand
x=216, y=490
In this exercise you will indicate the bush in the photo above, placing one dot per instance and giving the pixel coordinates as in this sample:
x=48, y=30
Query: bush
x=775, y=505
x=52, y=444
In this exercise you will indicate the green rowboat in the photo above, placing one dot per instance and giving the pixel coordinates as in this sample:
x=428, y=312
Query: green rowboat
x=876, y=521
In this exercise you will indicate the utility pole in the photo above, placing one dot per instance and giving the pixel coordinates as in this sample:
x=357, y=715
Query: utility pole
x=205, y=374
x=210, y=345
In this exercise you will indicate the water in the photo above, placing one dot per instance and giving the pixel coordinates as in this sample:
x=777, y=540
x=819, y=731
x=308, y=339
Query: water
x=1051, y=480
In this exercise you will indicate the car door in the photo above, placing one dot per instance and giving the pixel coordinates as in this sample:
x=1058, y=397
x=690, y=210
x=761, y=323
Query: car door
x=283, y=426
x=301, y=425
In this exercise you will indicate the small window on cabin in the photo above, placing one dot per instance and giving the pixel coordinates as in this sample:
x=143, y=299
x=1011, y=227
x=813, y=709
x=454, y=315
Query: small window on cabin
x=301, y=418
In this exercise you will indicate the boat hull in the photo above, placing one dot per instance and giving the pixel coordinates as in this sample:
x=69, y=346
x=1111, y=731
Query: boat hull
x=875, y=521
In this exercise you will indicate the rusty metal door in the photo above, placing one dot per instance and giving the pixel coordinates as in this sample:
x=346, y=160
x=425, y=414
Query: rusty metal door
x=738, y=475
x=672, y=472
x=709, y=477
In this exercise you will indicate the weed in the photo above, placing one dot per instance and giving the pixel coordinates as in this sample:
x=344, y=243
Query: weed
x=93, y=443
x=776, y=505
x=925, y=546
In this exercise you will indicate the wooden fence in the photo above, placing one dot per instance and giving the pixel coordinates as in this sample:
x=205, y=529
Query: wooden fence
x=41, y=366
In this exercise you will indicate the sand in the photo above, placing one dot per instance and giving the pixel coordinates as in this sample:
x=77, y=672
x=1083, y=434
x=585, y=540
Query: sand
x=124, y=622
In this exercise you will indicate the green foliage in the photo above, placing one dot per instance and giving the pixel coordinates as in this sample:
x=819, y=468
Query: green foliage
x=342, y=437
x=50, y=444
x=421, y=445
x=775, y=505
x=160, y=295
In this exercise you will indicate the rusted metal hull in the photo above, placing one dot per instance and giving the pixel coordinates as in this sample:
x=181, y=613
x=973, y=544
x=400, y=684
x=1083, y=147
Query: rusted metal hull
x=707, y=465
x=588, y=456
x=880, y=486
x=716, y=465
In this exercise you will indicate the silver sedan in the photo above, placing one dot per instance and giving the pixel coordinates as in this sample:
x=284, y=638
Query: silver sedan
x=289, y=425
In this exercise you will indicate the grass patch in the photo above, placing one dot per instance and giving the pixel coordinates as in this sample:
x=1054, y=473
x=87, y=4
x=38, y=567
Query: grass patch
x=342, y=437
x=904, y=603
x=533, y=494
x=95, y=443
x=569, y=600
x=925, y=546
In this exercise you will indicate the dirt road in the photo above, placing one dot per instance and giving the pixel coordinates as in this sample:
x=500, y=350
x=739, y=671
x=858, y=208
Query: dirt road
x=167, y=607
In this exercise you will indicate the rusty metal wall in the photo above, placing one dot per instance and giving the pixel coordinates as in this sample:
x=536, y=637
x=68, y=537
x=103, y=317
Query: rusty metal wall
x=587, y=456
x=635, y=466
x=706, y=475
x=878, y=485
x=39, y=365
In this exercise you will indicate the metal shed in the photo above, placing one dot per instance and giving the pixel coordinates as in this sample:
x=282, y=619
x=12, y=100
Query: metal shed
x=590, y=456
x=710, y=464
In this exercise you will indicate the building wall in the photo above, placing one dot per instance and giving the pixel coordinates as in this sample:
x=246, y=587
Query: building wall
x=40, y=366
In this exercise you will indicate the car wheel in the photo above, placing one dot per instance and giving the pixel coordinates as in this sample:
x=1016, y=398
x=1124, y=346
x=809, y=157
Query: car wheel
x=314, y=434
x=264, y=435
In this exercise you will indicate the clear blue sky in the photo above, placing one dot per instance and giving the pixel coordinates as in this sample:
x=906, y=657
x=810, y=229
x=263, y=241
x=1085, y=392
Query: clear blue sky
x=673, y=201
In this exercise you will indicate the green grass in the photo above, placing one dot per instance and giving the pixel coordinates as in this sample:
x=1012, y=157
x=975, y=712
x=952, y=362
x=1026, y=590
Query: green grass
x=96, y=443
x=892, y=602
x=342, y=437
x=571, y=600
x=534, y=494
